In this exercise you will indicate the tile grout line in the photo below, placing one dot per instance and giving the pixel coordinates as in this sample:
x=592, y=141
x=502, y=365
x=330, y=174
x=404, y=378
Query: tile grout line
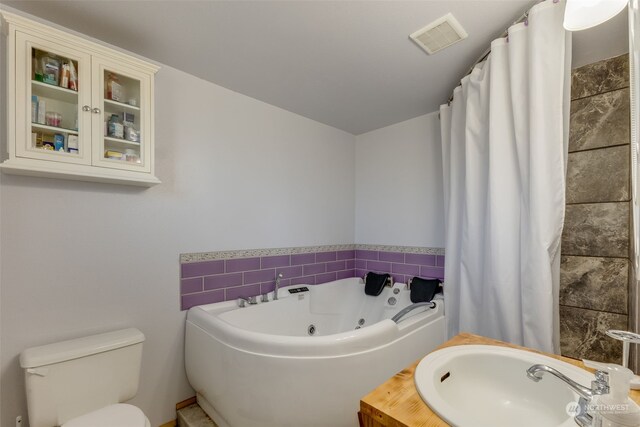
x=593, y=309
x=600, y=93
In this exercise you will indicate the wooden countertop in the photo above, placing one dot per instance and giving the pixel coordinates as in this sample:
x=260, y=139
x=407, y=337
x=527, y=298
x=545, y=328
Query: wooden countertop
x=396, y=403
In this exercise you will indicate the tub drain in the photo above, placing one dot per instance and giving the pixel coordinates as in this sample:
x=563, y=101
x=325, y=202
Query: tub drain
x=311, y=329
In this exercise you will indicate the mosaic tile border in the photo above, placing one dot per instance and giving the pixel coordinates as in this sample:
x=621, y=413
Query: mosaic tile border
x=402, y=249
x=250, y=253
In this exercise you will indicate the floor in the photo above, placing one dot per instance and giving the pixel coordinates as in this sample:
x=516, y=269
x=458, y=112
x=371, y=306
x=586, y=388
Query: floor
x=194, y=416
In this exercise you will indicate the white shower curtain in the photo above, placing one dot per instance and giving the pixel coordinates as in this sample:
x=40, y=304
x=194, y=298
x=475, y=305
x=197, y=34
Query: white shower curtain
x=504, y=145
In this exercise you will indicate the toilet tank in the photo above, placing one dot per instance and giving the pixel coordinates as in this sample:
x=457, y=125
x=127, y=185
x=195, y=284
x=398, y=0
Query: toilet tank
x=70, y=378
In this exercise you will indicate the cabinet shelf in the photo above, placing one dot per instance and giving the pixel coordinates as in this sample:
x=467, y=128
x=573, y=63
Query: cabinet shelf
x=53, y=128
x=54, y=92
x=58, y=153
x=120, y=105
x=121, y=141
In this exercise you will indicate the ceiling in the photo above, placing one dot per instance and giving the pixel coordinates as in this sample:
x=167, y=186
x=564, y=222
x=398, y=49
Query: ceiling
x=348, y=64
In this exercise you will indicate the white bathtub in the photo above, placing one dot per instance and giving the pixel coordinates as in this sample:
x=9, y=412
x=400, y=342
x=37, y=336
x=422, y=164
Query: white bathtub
x=258, y=366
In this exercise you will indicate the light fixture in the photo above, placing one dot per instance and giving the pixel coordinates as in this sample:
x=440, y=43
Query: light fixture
x=583, y=14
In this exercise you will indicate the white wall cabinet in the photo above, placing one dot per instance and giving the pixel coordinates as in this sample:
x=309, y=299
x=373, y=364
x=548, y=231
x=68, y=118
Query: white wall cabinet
x=76, y=109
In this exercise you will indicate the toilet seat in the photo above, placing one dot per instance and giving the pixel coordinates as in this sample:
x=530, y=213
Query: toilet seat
x=120, y=414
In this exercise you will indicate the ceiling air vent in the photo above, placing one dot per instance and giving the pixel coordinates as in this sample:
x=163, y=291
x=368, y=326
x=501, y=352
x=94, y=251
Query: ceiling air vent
x=441, y=33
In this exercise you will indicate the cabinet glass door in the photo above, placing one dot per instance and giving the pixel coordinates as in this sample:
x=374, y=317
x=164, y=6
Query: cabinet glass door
x=52, y=124
x=121, y=135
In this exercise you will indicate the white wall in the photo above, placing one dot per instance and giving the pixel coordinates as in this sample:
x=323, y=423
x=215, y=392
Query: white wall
x=81, y=258
x=399, y=199
x=3, y=138
x=609, y=39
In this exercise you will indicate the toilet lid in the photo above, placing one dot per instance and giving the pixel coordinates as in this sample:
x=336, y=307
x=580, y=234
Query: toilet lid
x=121, y=415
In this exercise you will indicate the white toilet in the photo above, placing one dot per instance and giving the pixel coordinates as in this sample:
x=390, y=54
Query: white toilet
x=81, y=382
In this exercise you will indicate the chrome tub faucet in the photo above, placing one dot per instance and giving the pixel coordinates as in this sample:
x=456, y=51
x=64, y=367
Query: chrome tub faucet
x=275, y=291
x=242, y=302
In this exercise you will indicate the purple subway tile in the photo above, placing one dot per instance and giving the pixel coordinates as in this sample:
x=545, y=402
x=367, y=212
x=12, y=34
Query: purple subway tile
x=335, y=266
x=325, y=256
x=363, y=254
x=242, y=291
x=324, y=278
x=379, y=266
x=205, y=268
x=189, y=286
x=432, y=272
x=345, y=274
x=391, y=256
x=408, y=269
x=314, y=269
x=289, y=272
x=267, y=287
x=222, y=281
x=299, y=259
x=259, y=276
x=307, y=280
x=270, y=286
x=209, y=281
x=345, y=254
x=242, y=264
x=275, y=261
x=421, y=259
x=191, y=300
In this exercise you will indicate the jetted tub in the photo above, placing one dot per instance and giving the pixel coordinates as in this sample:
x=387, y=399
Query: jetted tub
x=304, y=360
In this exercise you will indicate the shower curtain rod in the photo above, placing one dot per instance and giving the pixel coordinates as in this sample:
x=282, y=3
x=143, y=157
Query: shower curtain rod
x=522, y=18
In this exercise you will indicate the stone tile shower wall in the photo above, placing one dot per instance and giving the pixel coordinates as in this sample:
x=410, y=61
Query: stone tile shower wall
x=221, y=276
x=594, y=272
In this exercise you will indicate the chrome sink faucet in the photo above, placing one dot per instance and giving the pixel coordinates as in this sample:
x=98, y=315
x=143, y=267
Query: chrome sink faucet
x=598, y=387
x=275, y=291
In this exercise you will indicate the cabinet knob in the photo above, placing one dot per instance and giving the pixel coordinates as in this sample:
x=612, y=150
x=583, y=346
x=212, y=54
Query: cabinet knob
x=96, y=111
x=86, y=108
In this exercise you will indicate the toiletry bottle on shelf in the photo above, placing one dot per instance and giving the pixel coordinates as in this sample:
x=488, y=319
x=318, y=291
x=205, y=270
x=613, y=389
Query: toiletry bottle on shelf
x=37, y=66
x=130, y=130
x=50, y=70
x=58, y=142
x=64, y=75
x=72, y=144
x=131, y=133
x=34, y=109
x=42, y=111
x=114, y=88
x=131, y=156
x=73, y=76
x=115, y=129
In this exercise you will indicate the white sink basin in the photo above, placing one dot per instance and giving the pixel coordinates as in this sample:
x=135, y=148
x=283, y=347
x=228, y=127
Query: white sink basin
x=481, y=385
